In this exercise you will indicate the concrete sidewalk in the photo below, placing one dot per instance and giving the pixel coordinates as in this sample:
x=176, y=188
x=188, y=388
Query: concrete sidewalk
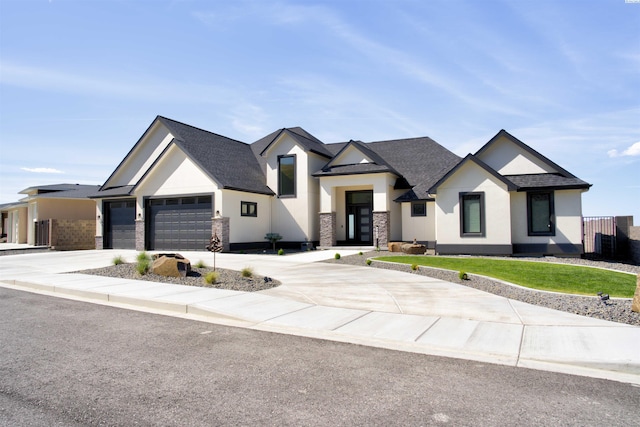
x=360, y=305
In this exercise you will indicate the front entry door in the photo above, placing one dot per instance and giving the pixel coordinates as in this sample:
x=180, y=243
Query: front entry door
x=359, y=217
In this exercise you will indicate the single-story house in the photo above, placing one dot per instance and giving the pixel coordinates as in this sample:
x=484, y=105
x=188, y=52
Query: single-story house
x=179, y=185
x=59, y=215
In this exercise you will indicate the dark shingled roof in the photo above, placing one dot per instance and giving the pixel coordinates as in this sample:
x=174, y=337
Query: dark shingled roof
x=301, y=136
x=419, y=163
x=229, y=162
x=378, y=163
x=124, y=190
x=61, y=191
x=547, y=181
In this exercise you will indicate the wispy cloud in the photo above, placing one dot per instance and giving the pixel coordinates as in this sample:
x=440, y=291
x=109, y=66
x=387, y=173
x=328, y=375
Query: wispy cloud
x=632, y=151
x=42, y=170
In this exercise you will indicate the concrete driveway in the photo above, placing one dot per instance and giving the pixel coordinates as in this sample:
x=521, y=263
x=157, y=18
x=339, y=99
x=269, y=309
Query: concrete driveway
x=360, y=305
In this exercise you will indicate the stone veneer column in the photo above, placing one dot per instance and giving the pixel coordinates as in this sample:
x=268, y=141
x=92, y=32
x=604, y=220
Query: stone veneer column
x=99, y=242
x=220, y=226
x=139, y=235
x=327, y=229
x=382, y=221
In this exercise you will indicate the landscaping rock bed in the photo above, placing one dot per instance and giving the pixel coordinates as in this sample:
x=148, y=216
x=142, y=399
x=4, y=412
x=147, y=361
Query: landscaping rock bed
x=615, y=310
x=227, y=279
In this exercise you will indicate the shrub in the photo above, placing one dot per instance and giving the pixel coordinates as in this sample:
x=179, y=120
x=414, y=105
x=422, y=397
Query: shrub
x=463, y=276
x=200, y=264
x=247, y=272
x=359, y=253
x=144, y=263
x=143, y=266
x=337, y=256
x=211, y=277
x=143, y=256
x=414, y=267
x=118, y=260
x=280, y=251
x=368, y=261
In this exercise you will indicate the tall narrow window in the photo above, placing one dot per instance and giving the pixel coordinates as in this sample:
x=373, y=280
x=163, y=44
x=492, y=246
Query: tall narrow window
x=540, y=213
x=287, y=176
x=472, y=214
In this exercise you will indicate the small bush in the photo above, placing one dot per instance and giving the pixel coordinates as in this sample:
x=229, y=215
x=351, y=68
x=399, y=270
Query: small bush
x=337, y=256
x=200, y=264
x=463, y=276
x=118, y=260
x=211, y=277
x=280, y=251
x=143, y=266
x=143, y=256
x=246, y=272
x=414, y=267
x=359, y=253
x=368, y=261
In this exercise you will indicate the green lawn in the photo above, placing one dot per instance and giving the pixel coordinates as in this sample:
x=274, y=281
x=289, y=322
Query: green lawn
x=537, y=275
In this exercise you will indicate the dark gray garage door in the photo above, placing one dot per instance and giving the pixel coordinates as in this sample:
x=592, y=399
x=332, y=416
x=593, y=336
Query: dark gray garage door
x=179, y=224
x=120, y=226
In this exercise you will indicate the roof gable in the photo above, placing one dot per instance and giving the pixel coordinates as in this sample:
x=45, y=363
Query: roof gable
x=142, y=155
x=510, y=156
x=228, y=162
x=471, y=159
x=307, y=141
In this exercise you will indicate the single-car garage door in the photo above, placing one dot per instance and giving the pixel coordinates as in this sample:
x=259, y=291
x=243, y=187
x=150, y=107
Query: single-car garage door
x=120, y=225
x=179, y=223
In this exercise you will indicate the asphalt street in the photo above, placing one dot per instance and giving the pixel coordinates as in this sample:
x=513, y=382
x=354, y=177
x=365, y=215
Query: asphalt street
x=72, y=363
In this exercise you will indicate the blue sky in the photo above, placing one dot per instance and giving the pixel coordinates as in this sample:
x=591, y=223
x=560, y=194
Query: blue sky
x=80, y=81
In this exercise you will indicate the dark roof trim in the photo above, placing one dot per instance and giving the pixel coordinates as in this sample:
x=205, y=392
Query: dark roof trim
x=368, y=152
x=122, y=191
x=471, y=158
x=144, y=135
x=525, y=147
x=244, y=190
x=556, y=187
x=321, y=174
x=301, y=139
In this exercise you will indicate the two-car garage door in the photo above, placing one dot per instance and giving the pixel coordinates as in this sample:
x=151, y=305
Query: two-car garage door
x=179, y=223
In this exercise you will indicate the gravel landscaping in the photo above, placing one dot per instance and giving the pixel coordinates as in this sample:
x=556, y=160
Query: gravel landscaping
x=227, y=279
x=615, y=310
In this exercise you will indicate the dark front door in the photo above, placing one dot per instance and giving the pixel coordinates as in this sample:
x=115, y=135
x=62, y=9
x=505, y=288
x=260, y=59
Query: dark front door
x=359, y=217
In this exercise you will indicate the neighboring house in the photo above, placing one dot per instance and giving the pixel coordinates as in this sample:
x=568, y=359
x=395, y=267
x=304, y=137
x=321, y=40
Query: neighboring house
x=61, y=216
x=179, y=185
x=14, y=222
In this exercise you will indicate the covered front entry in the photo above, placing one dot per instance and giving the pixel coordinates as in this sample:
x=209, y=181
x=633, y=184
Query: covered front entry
x=359, y=206
x=179, y=223
x=119, y=224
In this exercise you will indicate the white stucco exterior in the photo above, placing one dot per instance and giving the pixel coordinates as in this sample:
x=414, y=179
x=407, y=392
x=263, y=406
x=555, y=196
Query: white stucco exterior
x=246, y=229
x=508, y=158
x=497, y=220
x=151, y=146
x=295, y=218
x=420, y=228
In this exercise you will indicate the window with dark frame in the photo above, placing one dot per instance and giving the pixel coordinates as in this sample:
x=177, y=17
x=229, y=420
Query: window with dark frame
x=540, y=213
x=287, y=176
x=418, y=208
x=472, y=215
x=248, y=209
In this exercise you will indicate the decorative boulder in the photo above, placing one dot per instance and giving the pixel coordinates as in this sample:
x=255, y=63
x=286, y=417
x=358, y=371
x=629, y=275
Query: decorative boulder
x=395, y=246
x=635, y=305
x=172, y=265
x=414, y=249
